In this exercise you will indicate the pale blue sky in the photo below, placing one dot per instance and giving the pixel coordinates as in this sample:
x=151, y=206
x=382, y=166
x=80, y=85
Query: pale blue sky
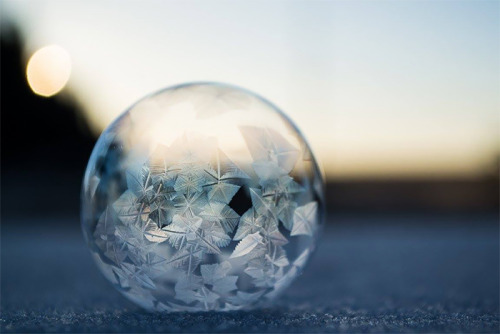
x=380, y=88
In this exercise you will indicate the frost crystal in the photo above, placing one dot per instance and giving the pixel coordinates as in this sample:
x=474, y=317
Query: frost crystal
x=179, y=222
x=304, y=219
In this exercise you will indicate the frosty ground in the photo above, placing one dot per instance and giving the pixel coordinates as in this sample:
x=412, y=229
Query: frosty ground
x=394, y=273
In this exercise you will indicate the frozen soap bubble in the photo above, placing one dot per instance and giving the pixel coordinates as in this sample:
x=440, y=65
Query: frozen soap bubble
x=202, y=197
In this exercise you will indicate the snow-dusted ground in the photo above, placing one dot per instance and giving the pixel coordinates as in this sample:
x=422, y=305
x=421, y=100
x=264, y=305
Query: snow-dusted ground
x=393, y=273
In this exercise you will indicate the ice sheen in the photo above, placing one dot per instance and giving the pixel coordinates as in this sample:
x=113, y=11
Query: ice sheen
x=173, y=239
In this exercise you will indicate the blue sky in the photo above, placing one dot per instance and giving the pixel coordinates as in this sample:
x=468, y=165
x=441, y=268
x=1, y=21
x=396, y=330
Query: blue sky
x=380, y=88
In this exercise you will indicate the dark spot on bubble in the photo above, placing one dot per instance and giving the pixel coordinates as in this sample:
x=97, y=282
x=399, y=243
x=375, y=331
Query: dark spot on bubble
x=241, y=201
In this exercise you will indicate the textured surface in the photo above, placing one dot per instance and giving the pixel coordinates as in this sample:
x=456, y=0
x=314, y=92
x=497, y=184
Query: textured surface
x=430, y=274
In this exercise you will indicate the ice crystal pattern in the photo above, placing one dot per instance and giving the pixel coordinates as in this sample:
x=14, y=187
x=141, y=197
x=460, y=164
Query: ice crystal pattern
x=171, y=239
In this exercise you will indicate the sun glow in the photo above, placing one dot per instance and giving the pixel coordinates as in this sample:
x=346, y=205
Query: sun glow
x=48, y=70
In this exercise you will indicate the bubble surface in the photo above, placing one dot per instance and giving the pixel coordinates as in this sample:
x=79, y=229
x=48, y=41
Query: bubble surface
x=202, y=197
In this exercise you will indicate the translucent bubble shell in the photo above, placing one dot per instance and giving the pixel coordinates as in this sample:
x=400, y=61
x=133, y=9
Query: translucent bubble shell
x=202, y=197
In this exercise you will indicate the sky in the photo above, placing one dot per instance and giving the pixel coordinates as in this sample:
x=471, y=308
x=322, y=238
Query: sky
x=383, y=89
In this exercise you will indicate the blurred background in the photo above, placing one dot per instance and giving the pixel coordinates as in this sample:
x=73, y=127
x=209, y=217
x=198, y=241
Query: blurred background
x=400, y=100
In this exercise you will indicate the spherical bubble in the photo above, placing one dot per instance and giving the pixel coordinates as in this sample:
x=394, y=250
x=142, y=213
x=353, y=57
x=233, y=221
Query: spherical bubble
x=202, y=197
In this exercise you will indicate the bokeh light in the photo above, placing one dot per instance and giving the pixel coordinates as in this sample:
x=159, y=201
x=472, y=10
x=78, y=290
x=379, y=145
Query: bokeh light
x=48, y=70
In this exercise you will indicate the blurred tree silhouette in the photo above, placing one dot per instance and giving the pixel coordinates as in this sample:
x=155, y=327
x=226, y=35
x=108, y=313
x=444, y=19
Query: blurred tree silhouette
x=45, y=141
x=37, y=132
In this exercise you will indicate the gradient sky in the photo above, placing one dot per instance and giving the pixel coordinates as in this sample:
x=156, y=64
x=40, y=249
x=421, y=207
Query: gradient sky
x=379, y=88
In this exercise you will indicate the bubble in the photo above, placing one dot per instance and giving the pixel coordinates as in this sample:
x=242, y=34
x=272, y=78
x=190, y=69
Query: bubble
x=202, y=197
